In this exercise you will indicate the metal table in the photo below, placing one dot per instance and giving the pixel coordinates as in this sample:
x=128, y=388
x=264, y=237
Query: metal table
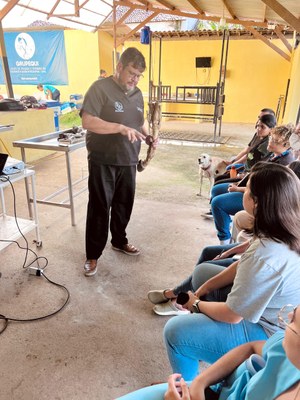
x=11, y=227
x=49, y=142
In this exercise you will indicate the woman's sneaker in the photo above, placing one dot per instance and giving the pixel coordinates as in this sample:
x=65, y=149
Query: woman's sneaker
x=170, y=308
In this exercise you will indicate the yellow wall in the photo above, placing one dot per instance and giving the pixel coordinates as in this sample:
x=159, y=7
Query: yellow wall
x=27, y=124
x=256, y=74
x=293, y=102
x=106, y=46
x=82, y=61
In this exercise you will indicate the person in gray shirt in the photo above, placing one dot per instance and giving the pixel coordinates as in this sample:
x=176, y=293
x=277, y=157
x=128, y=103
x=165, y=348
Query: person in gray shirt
x=113, y=114
x=240, y=303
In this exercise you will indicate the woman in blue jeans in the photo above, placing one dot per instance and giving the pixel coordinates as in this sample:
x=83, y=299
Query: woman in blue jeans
x=266, y=277
x=275, y=375
x=227, y=199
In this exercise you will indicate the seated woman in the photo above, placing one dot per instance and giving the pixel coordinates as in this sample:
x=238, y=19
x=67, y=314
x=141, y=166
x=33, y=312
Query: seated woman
x=242, y=300
x=278, y=379
x=259, y=151
x=239, y=160
x=243, y=222
x=227, y=199
x=295, y=141
x=165, y=299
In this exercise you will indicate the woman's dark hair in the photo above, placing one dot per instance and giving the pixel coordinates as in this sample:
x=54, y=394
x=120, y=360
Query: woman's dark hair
x=275, y=190
x=269, y=120
x=268, y=110
x=295, y=166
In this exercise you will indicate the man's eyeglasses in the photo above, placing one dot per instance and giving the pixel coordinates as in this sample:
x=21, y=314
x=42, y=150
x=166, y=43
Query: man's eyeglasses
x=286, y=316
x=134, y=75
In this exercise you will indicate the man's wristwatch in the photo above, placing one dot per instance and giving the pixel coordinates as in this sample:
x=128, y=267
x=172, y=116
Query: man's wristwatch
x=196, y=307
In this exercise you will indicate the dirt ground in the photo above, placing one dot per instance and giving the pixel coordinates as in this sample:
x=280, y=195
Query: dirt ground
x=173, y=174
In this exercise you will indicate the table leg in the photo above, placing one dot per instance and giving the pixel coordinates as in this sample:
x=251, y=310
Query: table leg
x=70, y=188
x=27, y=186
x=35, y=214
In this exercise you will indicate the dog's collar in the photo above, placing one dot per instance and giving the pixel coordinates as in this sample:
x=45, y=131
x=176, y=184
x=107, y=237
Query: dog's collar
x=206, y=168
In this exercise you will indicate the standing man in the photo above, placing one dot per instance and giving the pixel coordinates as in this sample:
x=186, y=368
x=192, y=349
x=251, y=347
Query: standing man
x=50, y=91
x=113, y=114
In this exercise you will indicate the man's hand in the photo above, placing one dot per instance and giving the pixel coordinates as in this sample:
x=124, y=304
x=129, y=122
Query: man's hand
x=150, y=141
x=177, y=389
x=132, y=134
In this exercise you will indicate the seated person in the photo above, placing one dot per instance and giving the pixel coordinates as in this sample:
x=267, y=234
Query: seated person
x=165, y=300
x=242, y=300
x=243, y=222
x=278, y=378
x=259, y=151
x=227, y=199
x=239, y=160
x=295, y=142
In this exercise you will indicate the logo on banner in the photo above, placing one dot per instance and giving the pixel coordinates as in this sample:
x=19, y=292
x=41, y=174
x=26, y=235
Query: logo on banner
x=25, y=46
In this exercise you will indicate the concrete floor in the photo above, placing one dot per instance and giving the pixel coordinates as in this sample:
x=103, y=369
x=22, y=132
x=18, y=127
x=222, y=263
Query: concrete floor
x=106, y=342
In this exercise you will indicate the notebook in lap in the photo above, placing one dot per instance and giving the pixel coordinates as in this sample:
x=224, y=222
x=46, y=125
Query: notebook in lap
x=3, y=158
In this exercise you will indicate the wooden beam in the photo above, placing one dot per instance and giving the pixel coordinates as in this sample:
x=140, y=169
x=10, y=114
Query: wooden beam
x=229, y=9
x=194, y=4
x=7, y=8
x=125, y=16
x=77, y=8
x=132, y=32
x=166, y=4
x=53, y=9
x=264, y=12
x=269, y=43
x=192, y=15
x=284, y=13
x=283, y=39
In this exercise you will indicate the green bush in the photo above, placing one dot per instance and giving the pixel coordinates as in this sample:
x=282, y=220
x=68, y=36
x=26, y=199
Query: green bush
x=70, y=119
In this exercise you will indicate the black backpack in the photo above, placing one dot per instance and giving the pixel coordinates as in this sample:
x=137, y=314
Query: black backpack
x=11, y=105
x=29, y=101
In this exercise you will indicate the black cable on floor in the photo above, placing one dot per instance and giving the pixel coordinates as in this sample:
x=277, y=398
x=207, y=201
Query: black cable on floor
x=37, y=259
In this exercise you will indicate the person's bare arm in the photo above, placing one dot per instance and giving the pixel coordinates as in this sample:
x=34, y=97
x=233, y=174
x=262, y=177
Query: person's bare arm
x=242, y=154
x=223, y=367
x=99, y=126
x=239, y=249
x=222, y=279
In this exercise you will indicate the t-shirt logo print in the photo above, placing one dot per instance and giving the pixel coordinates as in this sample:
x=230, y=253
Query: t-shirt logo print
x=119, y=107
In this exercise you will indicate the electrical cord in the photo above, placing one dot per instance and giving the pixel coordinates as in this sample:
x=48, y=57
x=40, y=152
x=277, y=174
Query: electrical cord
x=4, y=178
x=8, y=319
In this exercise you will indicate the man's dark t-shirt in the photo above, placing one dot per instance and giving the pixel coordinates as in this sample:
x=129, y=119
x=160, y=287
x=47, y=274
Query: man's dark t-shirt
x=107, y=100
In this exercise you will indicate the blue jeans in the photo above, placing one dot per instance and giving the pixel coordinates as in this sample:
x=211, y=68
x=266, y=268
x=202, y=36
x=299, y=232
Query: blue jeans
x=224, y=204
x=155, y=392
x=210, y=252
x=195, y=337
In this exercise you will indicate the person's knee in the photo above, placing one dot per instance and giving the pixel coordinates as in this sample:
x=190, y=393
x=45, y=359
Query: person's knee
x=172, y=330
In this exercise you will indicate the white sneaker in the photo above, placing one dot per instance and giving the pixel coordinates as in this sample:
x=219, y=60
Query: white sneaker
x=169, y=308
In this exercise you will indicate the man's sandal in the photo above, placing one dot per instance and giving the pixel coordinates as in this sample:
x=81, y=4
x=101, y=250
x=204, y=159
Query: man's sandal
x=90, y=267
x=128, y=249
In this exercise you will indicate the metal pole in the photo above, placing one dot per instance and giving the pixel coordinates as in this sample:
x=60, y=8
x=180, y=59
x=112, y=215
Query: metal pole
x=150, y=70
x=6, y=71
x=159, y=71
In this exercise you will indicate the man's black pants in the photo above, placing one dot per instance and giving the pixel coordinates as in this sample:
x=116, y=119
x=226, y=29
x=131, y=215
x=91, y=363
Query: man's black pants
x=111, y=195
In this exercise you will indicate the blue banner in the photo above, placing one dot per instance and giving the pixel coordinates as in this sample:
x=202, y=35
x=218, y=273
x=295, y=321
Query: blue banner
x=36, y=57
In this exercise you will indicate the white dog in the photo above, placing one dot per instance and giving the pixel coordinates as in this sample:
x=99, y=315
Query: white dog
x=210, y=167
